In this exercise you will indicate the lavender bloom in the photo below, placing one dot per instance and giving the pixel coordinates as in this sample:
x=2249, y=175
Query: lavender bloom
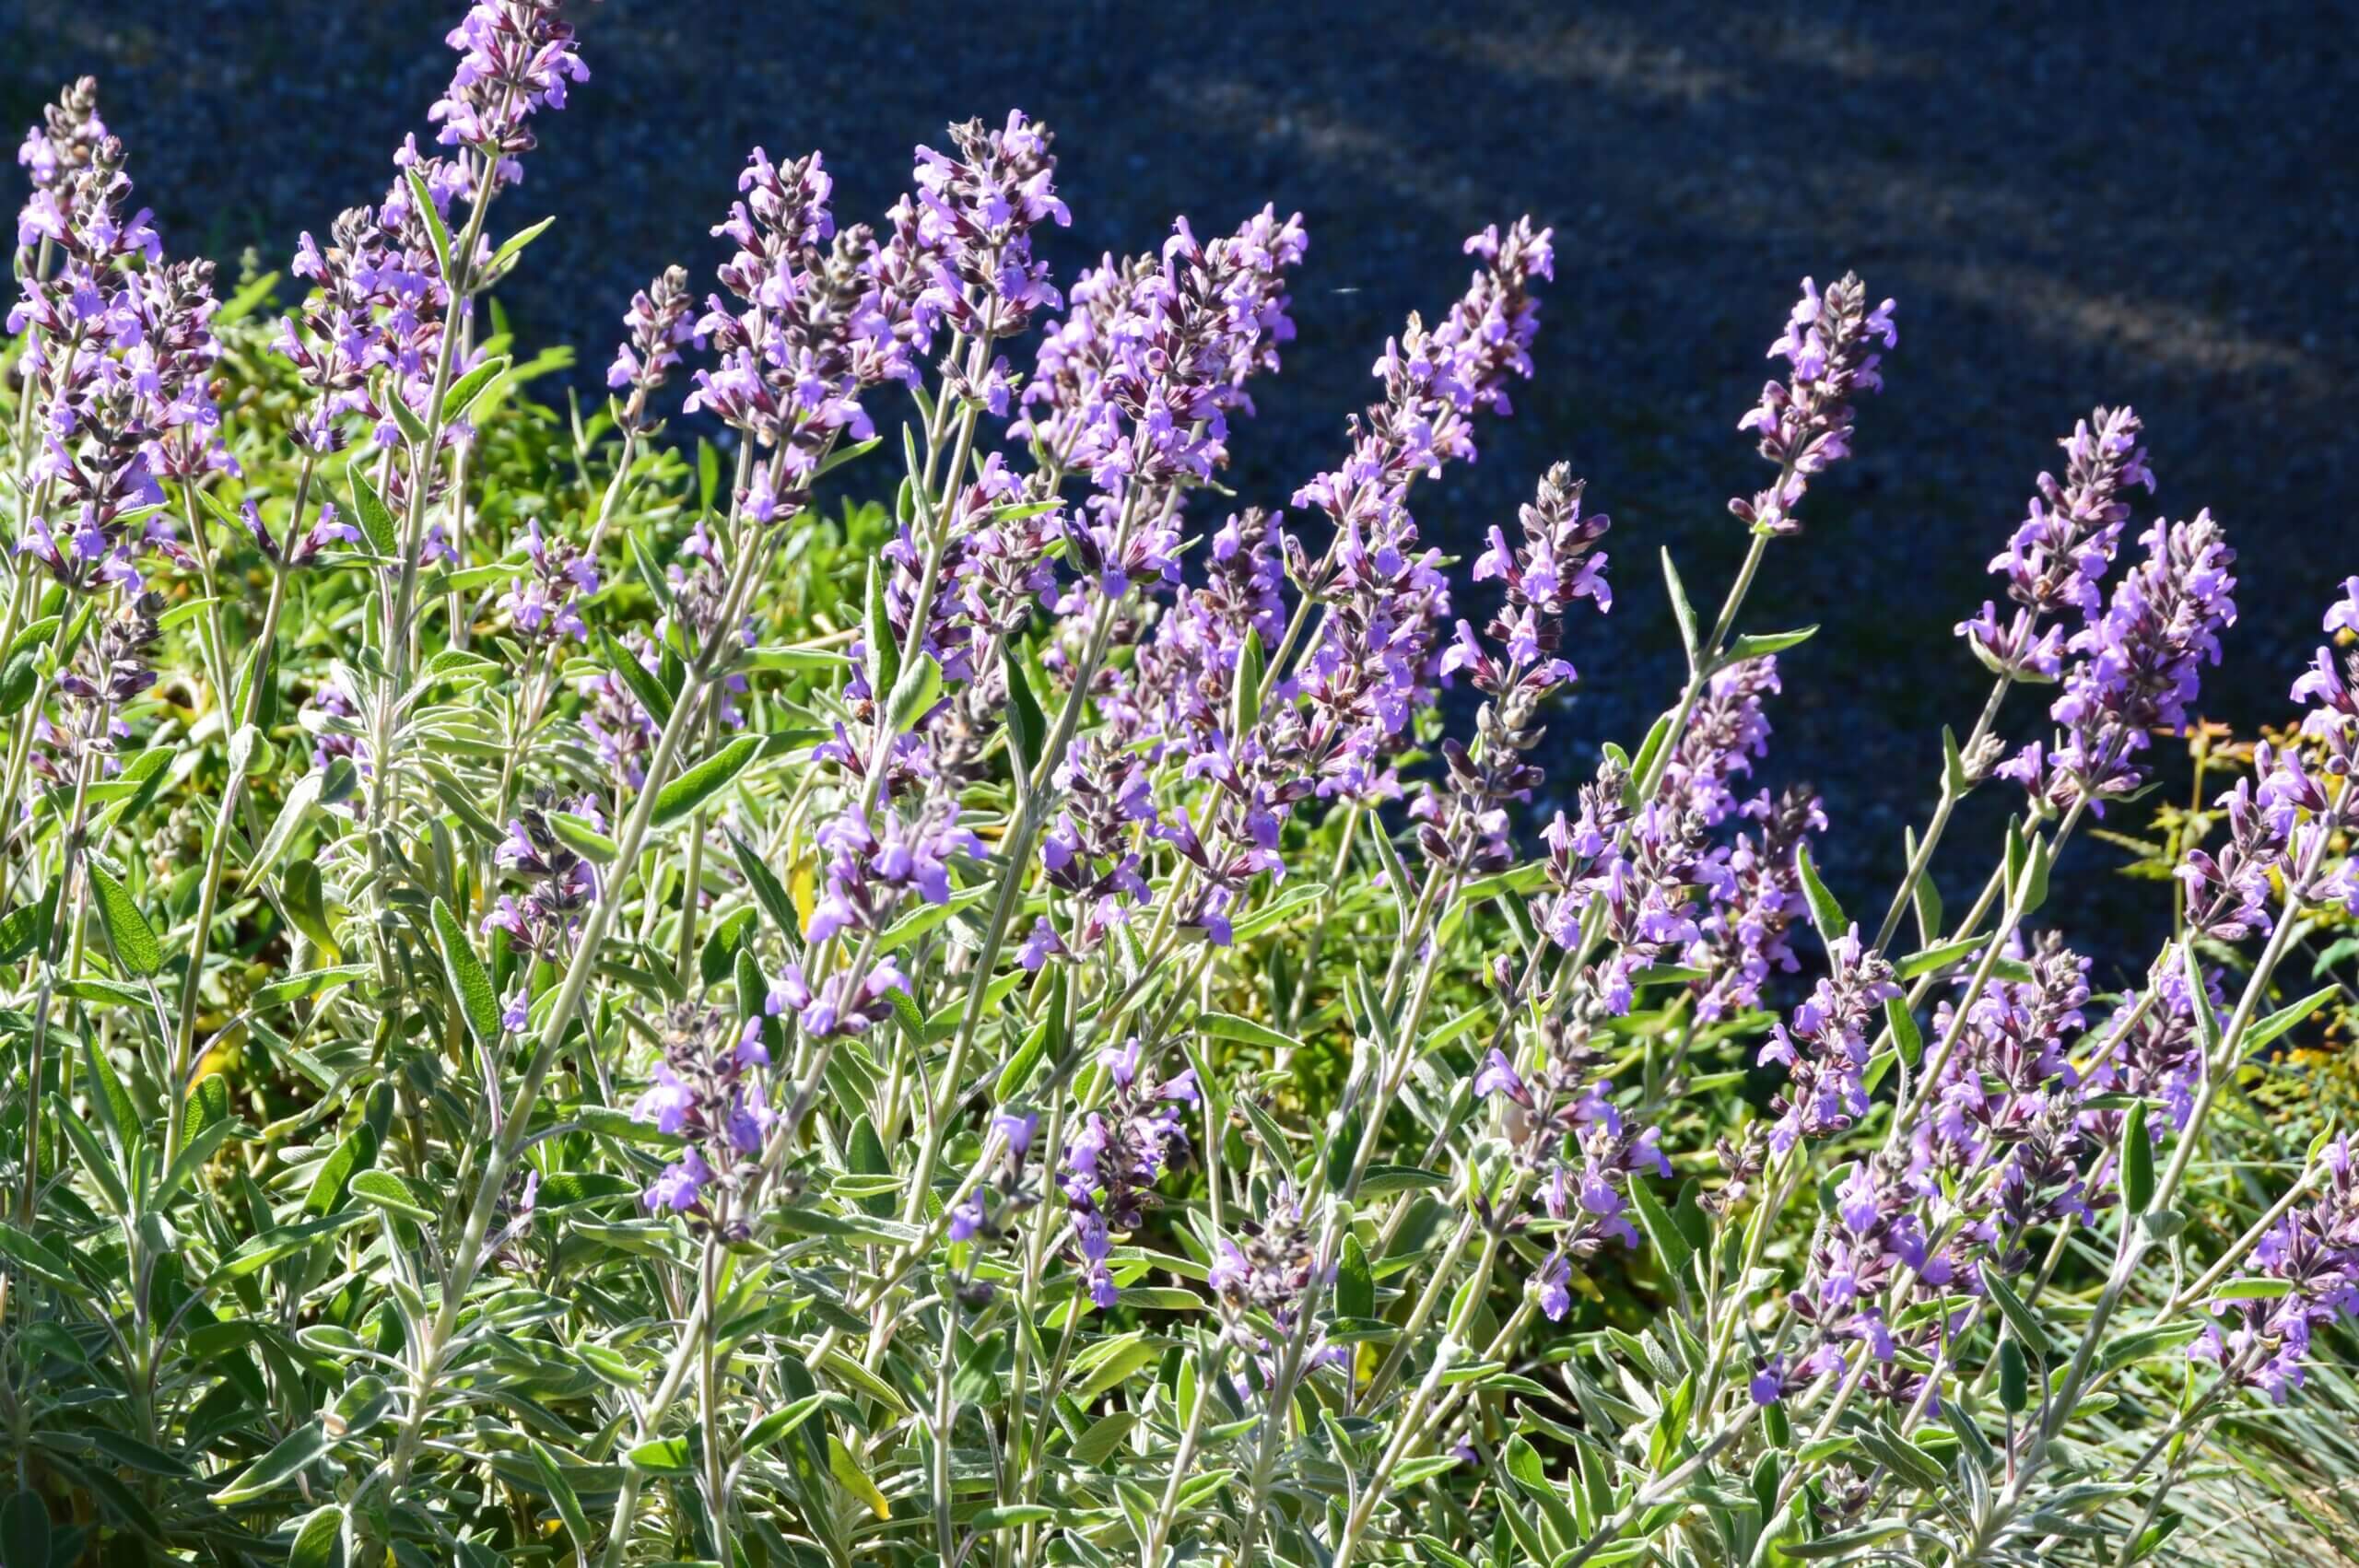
x=2160, y=1054
x=976, y=214
x=2005, y=1126
x=786, y=374
x=114, y=665
x=1112, y=1165
x=707, y=1091
x=540, y=602
x=619, y=725
x=559, y=884
x=515, y=57
x=1724, y=733
x=1553, y=566
x=2060, y=551
x=64, y=141
x=118, y=349
x=1824, y=1046
x=1872, y=1234
x=660, y=319
x=868, y=872
x=1134, y=386
x=1805, y=422
x=1742, y=938
x=1267, y=1275
x=1562, y=1126
x=2137, y=667
x=2314, y=1249
x=1378, y=654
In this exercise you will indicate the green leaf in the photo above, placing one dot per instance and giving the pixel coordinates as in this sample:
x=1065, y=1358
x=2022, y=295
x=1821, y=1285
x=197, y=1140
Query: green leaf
x=24, y=1532
x=437, y=231
x=651, y=693
x=376, y=518
x=27, y=926
x=471, y=386
x=198, y=1148
x=665, y=1457
x=2030, y=891
x=2284, y=1018
x=580, y=836
x=2015, y=1378
x=914, y=694
x=311, y=983
x=2207, y=1022
x=1757, y=645
x=2137, y=1161
x=561, y=1492
x=1683, y=612
x=1906, y=1036
x=133, y=939
x=1355, y=1287
x=284, y=1241
x=1028, y=727
x=882, y=654
x=296, y=1452
x=384, y=1189
x=2016, y=1312
x=701, y=783
x=1245, y=696
x=1228, y=1026
x=1825, y=912
x=517, y=242
x=848, y=1473
x=319, y=1539
x=768, y=890
x=358, y=1151
x=470, y=983
x=779, y=1424
x=1662, y=1230
x=1384, y=1181
x=1926, y=960
x=1105, y=1434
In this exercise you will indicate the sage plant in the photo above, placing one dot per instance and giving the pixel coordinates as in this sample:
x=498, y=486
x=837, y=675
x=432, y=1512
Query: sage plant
x=852, y=959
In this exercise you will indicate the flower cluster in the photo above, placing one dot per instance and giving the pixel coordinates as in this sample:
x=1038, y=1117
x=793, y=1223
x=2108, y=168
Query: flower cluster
x=1805, y=422
x=1873, y=1239
x=1563, y=1127
x=2137, y=668
x=1741, y=939
x=661, y=318
x=542, y=601
x=1824, y=1046
x=2058, y=554
x=119, y=352
x=113, y=665
x=1112, y=1163
x=560, y=884
x=2004, y=1125
x=2315, y=1251
x=706, y=1091
x=515, y=56
x=1377, y=656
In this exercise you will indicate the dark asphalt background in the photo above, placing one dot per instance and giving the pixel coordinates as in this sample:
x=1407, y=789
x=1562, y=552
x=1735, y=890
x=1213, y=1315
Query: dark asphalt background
x=2104, y=202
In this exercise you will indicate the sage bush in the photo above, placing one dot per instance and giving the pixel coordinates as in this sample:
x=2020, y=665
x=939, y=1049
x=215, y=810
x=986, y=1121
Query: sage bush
x=919, y=983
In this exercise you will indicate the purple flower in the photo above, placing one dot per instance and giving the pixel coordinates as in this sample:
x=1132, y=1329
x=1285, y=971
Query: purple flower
x=1805, y=422
x=2137, y=667
x=703, y=1091
x=1823, y=1046
x=2060, y=554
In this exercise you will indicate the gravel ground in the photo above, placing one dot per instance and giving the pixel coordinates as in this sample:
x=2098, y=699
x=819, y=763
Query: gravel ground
x=2108, y=202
